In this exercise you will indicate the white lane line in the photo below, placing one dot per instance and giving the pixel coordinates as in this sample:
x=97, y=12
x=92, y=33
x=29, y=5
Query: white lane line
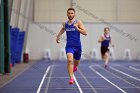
x=134, y=68
x=130, y=68
x=39, y=88
x=80, y=90
x=87, y=81
x=106, y=79
x=49, y=80
x=105, y=88
x=125, y=73
x=78, y=77
x=121, y=78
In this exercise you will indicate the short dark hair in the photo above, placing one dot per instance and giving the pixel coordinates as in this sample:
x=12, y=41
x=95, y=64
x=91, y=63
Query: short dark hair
x=106, y=28
x=71, y=9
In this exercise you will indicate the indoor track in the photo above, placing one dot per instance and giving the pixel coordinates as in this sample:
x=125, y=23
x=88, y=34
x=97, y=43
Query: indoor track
x=91, y=77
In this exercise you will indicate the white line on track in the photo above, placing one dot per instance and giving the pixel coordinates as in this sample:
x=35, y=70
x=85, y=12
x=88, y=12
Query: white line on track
x=87, y=81
x=60, y=88
x=78, y=77
x=125, y=73
x=80, y=90
x=41, y=83
x=49, y=80
x=107, y=79
x=131, y=68
x=121, y=78
x=136, y=69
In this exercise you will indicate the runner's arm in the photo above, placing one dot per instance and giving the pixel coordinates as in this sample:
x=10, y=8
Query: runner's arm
x=101, y=39
x=60, y=33
x=80, y=27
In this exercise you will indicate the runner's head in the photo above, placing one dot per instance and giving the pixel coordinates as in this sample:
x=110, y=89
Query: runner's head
x=71, y=13
x=106, y=30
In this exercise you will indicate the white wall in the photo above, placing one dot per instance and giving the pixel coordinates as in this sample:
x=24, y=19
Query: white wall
x=42, y=36
x=111, y=10
x=15, y=13
x=128, y=10
x=50, y=10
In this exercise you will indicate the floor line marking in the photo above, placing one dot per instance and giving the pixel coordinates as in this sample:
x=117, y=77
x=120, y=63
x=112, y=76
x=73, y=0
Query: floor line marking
x=41, y=83
x=121, y=79
x=132, y=68
x=49, y=80
x=125, y=73
x=107, y=79
x=136, y=69
x=80, y=89
x=87, y=81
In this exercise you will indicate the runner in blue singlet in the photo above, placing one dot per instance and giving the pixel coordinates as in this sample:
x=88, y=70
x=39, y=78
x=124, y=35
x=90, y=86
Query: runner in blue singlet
x=73, y=29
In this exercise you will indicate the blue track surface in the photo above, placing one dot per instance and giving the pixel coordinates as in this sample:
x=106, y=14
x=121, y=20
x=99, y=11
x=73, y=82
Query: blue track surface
x=120, y=77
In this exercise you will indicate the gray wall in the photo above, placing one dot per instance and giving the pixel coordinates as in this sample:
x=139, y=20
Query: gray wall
x=42, y=36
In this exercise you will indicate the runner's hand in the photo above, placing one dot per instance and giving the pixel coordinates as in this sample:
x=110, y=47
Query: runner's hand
x=57, y=40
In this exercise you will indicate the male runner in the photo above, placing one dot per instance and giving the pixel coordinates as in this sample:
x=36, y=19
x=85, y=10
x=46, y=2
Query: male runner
x=73, y=29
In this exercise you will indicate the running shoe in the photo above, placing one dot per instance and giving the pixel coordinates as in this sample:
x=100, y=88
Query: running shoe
x=71, y=81
x=105, y=66
x=74, y=68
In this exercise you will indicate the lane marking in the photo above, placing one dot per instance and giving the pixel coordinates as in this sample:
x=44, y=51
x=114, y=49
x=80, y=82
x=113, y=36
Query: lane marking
x=125, y=73
x=64, y=88
x=49, y=80
x=41, y=83
x=77, y=77
x=121, y=79
x=80, y=89
x=134, y=68
x=107, y=79
x=87, y=81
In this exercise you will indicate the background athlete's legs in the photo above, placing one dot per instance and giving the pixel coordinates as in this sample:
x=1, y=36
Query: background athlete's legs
x=105, y=57
x=70, y=64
